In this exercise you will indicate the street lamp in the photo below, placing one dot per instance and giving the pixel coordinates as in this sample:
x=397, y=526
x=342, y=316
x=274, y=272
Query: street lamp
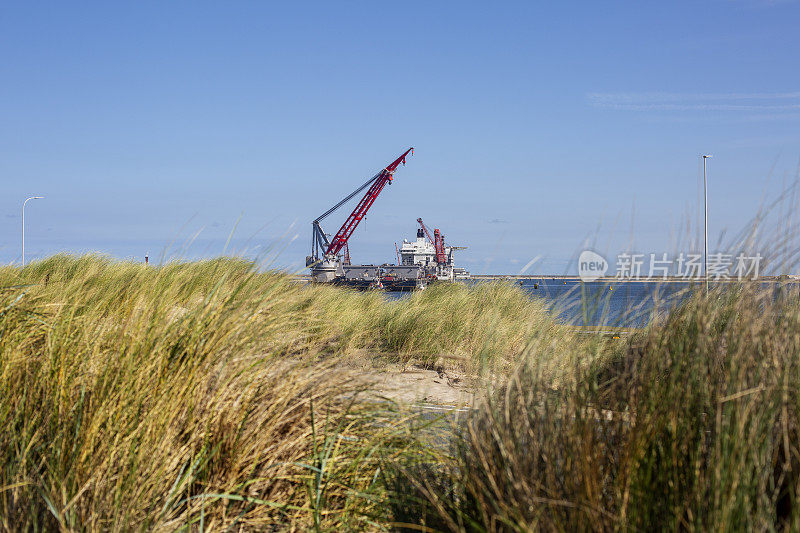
x=23, y=224
x=705, y=212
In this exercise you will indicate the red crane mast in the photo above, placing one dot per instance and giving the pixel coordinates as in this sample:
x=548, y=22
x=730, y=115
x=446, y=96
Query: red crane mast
x=376, y=184
x=438, y=243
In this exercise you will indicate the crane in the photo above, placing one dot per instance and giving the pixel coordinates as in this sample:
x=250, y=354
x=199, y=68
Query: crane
x=425, y=229
x=437, y=241
x=330, y=249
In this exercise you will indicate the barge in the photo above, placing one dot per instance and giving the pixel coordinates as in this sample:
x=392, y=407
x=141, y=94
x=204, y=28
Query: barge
x=419, y=263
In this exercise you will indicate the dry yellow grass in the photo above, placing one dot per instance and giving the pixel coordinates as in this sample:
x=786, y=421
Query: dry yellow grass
x=692, y=424
x=208, y=394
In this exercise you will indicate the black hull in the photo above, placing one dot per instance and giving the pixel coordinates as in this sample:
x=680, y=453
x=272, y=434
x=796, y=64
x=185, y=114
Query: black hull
x=400, y=285
x=357, y=284
x=388, y=285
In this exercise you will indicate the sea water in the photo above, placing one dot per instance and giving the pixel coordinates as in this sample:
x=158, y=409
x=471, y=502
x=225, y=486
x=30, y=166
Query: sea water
x=616, y=304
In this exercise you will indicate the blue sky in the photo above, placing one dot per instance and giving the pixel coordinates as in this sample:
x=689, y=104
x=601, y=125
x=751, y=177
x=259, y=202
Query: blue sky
x=536, y=126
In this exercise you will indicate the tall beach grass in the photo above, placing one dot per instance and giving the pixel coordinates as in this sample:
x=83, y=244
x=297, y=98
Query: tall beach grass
x=214, y=395
x=691, y=424
x=211, y=394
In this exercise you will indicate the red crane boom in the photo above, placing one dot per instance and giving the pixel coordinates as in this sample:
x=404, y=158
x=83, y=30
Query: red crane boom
x=437, y=241
x=425, y=229
x=385, y=176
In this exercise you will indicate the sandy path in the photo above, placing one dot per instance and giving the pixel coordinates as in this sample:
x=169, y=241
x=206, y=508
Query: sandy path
x=417, y=384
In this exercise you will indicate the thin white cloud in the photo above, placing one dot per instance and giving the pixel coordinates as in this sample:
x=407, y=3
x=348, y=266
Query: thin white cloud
x=681, y=97
x=730, y=102
x=729, y=118
x=762, y=3
x=702, y=107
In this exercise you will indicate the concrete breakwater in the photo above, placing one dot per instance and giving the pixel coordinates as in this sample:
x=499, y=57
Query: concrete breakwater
x=609, y=279
x=305, y=278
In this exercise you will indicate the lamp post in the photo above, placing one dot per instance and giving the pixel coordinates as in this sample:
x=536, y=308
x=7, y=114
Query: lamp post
x=705, y=212
x=23, y=224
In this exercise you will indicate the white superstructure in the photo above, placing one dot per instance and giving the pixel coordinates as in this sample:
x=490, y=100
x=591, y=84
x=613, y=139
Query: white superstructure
x=420, y=252
x=423, y=253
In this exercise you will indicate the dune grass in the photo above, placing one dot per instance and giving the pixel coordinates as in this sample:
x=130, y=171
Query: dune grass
x=137, y=398
x=690, y=425
x=211, y=395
